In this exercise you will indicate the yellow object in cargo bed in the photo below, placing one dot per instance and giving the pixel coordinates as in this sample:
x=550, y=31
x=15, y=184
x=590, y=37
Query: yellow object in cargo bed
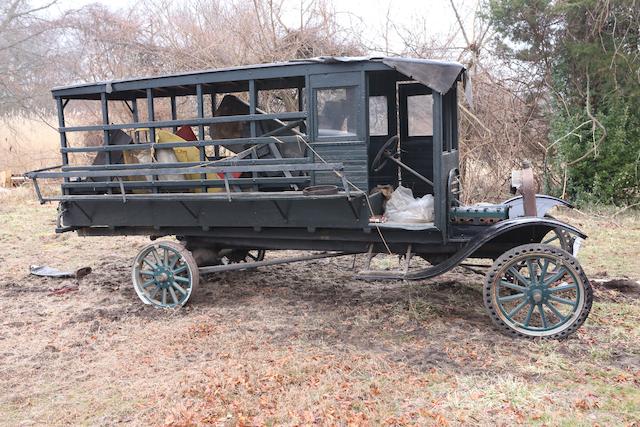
x=186, y=155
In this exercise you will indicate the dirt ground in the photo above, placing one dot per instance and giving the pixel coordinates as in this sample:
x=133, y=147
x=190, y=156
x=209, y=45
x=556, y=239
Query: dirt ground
x=299, y=344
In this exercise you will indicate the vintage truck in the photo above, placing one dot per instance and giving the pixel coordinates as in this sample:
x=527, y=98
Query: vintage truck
x=303, y=155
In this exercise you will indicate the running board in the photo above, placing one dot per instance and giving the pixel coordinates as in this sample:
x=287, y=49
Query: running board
x=380, y=275
x=463, y=253
x=399, y=274
x=425, y=273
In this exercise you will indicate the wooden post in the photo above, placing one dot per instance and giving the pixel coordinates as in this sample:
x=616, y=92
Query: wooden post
x=5, y=178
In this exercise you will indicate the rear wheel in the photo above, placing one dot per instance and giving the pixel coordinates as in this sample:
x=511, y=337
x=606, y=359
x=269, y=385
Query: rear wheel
x=165, y=274
x=537, y=291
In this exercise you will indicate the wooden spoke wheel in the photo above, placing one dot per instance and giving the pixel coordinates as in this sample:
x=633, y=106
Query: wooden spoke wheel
x=165, y=274
x=537, y=290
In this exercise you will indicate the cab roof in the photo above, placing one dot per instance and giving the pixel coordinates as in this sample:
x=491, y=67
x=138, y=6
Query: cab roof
x=438, y=75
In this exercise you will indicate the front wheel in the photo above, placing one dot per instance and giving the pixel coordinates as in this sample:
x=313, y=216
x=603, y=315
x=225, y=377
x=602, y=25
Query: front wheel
x=537, y=290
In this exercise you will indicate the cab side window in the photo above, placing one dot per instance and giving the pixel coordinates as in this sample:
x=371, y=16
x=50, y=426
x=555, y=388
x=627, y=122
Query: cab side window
x=336, y=112
x=420, y=115
x=378, y=116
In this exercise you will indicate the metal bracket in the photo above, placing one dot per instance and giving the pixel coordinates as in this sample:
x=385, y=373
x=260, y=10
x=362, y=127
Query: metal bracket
x=226, y=186
x=370, y=256
x=353, y=209
x=37, y=189
x=281, y=211
x=407, y=259
x=184, y=205
x=84, y=212
x=124, y=196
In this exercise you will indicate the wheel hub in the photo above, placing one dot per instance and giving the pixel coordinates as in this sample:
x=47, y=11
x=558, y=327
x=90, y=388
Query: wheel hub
x=163, y=277
x=536, y=296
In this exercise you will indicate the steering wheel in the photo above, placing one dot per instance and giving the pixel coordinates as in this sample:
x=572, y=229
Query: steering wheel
x=382, y=156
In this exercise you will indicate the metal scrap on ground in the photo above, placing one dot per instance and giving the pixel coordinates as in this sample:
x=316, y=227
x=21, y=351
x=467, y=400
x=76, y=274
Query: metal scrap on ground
x=46, y=271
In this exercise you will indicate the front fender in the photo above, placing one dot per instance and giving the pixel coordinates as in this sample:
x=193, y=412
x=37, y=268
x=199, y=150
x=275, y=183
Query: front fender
x=525, y=222
x=518, y=231
x=544, y=203
x=488, y=235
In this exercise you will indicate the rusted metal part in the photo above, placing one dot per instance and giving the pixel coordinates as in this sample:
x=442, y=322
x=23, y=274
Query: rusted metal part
x=317, y=190
x=522, y=182
x=46, y=271
x=528, y=191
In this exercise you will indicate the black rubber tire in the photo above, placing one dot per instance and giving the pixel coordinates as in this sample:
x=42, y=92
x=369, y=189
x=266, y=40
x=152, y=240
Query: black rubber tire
x=511, y=257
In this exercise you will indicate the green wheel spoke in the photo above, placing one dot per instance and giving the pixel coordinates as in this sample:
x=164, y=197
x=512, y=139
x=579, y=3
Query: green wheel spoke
x=563, y=288
x=511, y=298
x=164, y=296
x=533, y=271
x=179, y=288
x=545, y=324
x=182, y=279
x=513, y=286
x=166, y=257
x=146, y=261
x=543, y=269
x=174, y=261
x=180, y=269
x=173, y=295
x=148, y=283
x=518, y=276
x=556, y=276
x=556, y=312
x=518, y=308
x=562, y=300
x=154, y=292
x=147, y=273
x=155, y=256
x=529, y=313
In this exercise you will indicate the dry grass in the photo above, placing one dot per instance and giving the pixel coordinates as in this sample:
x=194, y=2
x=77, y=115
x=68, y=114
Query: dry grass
x=616, y=250
x=27, y=144
x=297, y=344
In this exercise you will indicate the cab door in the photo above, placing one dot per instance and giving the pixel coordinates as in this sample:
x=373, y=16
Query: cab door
x=415, y=117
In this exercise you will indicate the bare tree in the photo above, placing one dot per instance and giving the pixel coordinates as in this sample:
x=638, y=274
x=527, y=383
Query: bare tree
x=28, y=49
